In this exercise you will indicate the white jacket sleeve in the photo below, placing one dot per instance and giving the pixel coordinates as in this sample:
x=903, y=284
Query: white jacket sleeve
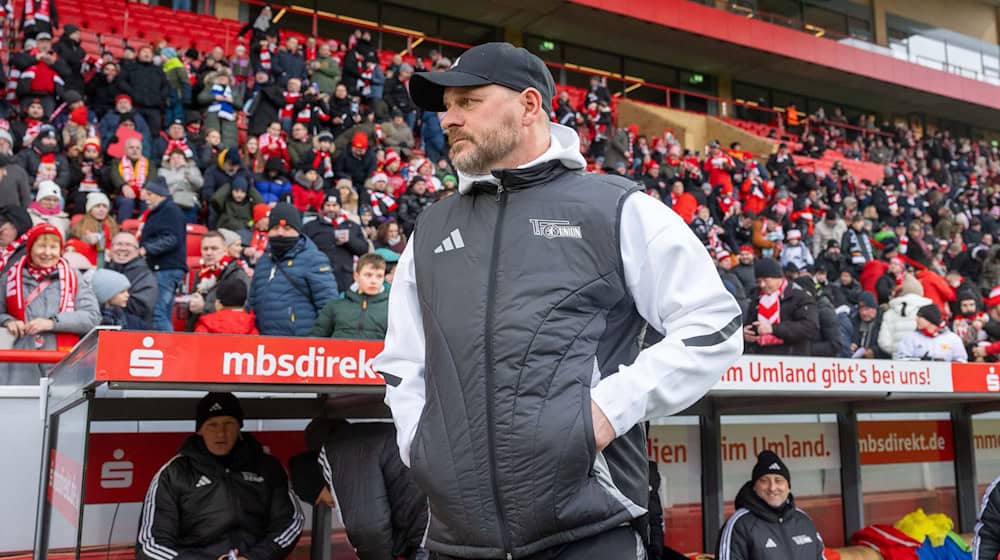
x=402, y=360
x=677, y=290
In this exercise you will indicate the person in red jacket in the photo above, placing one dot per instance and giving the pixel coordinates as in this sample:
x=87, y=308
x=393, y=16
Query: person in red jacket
x=683, y=203
x=938, y=290
x=230, y=317
x=718, y=164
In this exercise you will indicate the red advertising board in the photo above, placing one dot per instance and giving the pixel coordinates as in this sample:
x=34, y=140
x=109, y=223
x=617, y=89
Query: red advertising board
x=905, y=441
x=121, y=465
x=65, y=485
x=195, y=358
x=975, y=378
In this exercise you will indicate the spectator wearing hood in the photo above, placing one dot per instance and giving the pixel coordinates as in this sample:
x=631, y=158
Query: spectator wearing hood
x=266, y=101
x=339, y=237
x=782, y=317
x=164, y=244
x=866, y=323
x=901, y=317
x=124, y=257
x=233, y=204
x=147, y=85
x=292, y=281
x=14, y=225
x=228, y=165
x=15, y=186
x=47, y=305
x=273, y=184
x=357, y=163
x=48, y=208
x=931, y=340
x=44, y=161
x=71, y=54
x=221, y=102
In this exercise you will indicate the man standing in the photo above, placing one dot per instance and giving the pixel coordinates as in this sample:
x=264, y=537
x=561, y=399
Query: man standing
x=293, y=281
x=143, y=292
x=147, y=85
x=164, y=244
x=522, y=299
x=782, y=317
x=221, y=495
x=339, y=238
x=766, y=524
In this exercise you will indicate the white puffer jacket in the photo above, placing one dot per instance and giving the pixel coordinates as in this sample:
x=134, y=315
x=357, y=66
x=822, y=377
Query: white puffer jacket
x=899, y=321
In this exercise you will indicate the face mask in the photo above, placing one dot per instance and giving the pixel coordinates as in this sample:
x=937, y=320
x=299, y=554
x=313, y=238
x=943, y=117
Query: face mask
x=281, y=245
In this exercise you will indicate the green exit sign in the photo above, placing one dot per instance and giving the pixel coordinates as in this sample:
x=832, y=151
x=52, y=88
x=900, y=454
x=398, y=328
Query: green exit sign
x=547, y=46
x=696, y=79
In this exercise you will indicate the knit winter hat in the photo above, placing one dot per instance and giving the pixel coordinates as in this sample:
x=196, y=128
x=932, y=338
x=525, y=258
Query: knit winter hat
x=217, y=404
x=768, y=462
x=17, y=216
x=93, y=141
x=49, y=188
x=931, y=313
x=287, y=214
x=994, y=297
x=229, y=236
x=5, y=135
x=239, y=183
x=43, y=229
x=79, y=115
x=866, y=299
x=157, y=185
x=108, y=283
x=767, y=268
x=390, y=158
x=306, y=476
x=260, y=211
x=360, y=141
x=97, y=198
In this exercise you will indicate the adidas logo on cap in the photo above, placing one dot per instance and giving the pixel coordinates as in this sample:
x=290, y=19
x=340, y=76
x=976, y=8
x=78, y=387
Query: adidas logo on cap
x=774, y=467
x=214, y=407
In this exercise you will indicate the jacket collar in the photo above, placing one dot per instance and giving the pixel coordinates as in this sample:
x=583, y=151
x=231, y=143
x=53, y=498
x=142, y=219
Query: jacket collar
x=563, y=152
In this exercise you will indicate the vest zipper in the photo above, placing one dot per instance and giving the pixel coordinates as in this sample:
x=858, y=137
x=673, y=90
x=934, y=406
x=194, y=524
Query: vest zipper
x=361, y=318
x=491, y=372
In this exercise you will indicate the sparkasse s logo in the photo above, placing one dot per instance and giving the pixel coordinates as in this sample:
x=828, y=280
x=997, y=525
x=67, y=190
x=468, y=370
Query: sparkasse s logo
x=993, y=380
x=146, y=361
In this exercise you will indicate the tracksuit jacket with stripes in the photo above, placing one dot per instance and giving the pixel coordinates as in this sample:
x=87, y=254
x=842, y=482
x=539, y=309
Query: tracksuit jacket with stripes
x=199, y=507
x=516, y=305
x=756, y=531
x=986, y=543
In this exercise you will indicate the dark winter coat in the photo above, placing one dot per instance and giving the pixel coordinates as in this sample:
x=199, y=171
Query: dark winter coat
x=146, y=84
x=828, y=341
x=264, y=107
x=288, y=65
x=234, y=215
x=798, y=327
x=200, y=507
x=164, y=236
x=986, y=543
x=101, y=93
x=71, y=54
x=347, y=166
x=756, y=531
x=30, y=159
x=397, y=96
x=288, y=301
x=323, y=234
x=215, y=178
x=384, y=511
x=15, y=187
x=355, y=317
x=144, y=291
x=411, y=205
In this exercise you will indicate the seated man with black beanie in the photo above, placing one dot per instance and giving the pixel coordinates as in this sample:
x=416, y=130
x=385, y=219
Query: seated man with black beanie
x=190, y=508
x=766, y=524
x=357, y=467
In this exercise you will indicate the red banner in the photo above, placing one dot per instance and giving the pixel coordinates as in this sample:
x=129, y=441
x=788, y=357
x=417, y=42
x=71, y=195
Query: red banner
x=196, y=358
x=121, y=465
x=905, y=441
x=65, y=485
x=975, y=378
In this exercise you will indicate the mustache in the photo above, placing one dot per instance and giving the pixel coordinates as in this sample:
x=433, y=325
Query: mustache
x=456, y=136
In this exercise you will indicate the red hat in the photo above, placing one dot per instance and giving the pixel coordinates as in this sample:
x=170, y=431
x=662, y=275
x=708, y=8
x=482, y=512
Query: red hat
x=124, y=96
x=994, y=297
x=649, y=165
x=260, y=211
x=43, y=229
x=82, y=247
x=360, y=141
x=79, y=115
x=746, y=249
x=390, y=156
x=634, y=129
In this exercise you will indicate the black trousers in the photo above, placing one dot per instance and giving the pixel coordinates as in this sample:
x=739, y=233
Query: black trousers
x=617, y=544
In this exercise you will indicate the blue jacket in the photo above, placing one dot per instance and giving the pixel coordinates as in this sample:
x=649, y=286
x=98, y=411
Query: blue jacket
x=273, y=190
x=165, y=237
x=108, y=126
x=288, y=304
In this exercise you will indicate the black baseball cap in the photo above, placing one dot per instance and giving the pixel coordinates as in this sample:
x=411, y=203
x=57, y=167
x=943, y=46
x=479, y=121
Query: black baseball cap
x=502, y=64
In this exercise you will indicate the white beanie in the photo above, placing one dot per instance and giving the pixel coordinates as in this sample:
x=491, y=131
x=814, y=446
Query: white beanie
x=48, y=188
x=6, y=136
x=97, y=198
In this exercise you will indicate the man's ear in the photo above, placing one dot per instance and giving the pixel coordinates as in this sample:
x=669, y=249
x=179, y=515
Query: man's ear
x=531, y=102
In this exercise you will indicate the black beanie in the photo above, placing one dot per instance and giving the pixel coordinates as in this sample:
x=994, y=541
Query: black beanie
x=17, y=216
x=767, y=268
x=768, y=462
x=306, y=476
x=232, y=292
x=931, y=313
x=218, y=404
x=285, y=212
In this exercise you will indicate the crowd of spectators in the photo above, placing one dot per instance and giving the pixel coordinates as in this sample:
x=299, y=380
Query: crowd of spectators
x=301, y=158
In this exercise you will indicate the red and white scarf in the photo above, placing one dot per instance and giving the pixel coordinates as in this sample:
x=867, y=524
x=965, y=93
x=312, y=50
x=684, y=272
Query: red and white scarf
x=323, y=162
x=31, y=13
x=265, y=58
x=9, y=250
x=134, y=174
x=48, y=169
x=18, y=301
x=339, y=220
x=769, y=310
x=382, y=203
x=290, y=100
x=181, y=145
x=208, y=277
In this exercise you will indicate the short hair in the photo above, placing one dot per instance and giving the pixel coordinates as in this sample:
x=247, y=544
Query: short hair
x=371, y=259
x=214, y=235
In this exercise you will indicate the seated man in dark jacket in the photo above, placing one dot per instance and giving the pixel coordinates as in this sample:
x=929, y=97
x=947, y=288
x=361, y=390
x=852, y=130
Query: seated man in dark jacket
x=766, y=524
x=339, y=238
x=384, y=511
x=125, y=258
x=357, y=163
x=190, y=508
x=782, y=318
